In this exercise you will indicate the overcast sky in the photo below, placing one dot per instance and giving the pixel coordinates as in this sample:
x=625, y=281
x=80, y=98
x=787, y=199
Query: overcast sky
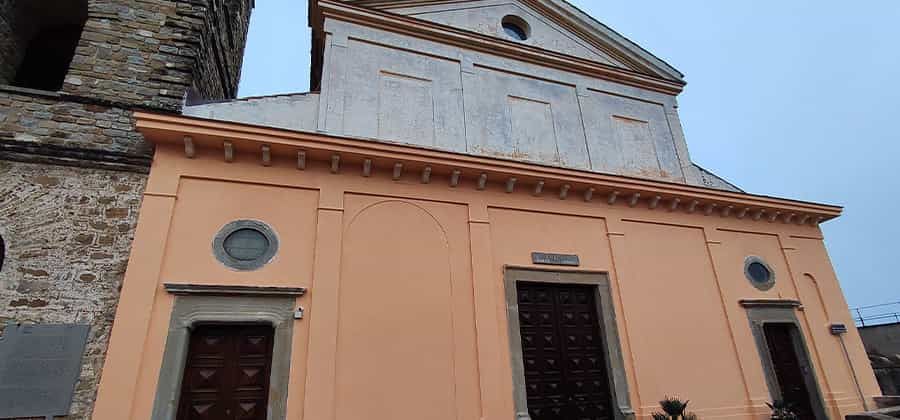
x=796, y=99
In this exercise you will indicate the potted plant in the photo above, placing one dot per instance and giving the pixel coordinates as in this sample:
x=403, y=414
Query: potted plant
x=781, y=410
x=673, y=409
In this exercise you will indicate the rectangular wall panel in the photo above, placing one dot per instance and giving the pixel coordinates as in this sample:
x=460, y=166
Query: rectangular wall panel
x=396, y=95
x=189, y=253
x=629, y=137
x=681, y=340
x=532, y=129
x=406, y=109
x=513, y=116
x=635, y=141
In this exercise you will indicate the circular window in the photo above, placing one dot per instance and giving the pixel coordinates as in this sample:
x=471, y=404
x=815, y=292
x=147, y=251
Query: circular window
x=516, y=28
x=245, y=245
x=759, y=273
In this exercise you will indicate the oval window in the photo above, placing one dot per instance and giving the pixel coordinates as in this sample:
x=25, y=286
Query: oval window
x=515, y=28
x=759, y=273
x=245, y=245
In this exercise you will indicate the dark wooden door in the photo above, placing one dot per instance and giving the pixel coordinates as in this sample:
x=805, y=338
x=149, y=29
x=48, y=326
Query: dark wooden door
x=789, y=368
x=562, y=348
x=226, y=375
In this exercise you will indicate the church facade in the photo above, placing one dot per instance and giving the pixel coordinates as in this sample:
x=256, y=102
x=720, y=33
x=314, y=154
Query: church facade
x=485, y=209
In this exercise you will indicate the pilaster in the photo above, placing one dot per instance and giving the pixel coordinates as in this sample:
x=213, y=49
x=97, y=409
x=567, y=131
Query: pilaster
x=615, y=232
x=734, y=316
x=121, y=371
x=494, y=372
x=322, y=315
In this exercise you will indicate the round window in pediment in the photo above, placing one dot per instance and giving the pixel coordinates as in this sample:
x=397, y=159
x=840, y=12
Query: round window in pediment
x=516, y=28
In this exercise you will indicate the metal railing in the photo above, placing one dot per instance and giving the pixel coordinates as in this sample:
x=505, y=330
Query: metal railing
x=885, y=313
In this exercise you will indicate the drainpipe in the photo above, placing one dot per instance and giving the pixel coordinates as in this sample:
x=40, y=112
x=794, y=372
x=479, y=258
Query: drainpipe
x=839, y=330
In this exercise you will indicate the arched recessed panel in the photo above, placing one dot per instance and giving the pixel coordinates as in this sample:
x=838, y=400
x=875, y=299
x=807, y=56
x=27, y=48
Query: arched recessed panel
x=395, y=356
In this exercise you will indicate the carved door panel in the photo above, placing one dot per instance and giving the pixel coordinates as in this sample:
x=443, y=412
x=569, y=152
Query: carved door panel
x=226, y=375
x=790, y=371
x=562, y=348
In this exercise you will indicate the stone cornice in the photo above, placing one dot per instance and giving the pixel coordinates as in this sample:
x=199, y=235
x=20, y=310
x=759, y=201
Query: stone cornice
x=45, y=153
x=495, y=46
x=771, y=303
x=367, y=156
x=231, y=290
x=81, y=99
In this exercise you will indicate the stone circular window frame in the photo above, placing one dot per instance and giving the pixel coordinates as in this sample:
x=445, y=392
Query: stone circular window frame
x=761, y=286
x=218, y=245
x=517, y=21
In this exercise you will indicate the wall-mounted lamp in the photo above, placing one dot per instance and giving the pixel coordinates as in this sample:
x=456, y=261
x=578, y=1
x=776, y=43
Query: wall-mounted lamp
x=298, y=314
x=838, y=329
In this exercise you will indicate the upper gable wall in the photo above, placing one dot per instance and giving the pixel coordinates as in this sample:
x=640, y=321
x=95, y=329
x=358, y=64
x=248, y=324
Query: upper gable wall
x=394, y=87
x=402, y=79
x=485, y=17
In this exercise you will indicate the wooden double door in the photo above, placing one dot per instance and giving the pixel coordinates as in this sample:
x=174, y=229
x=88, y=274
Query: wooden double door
x=566, y=376
x=226, y=375
x=791, y=368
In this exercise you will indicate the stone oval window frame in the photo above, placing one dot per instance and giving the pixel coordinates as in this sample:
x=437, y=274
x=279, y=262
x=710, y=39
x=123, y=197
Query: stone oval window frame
x=764, y=286
x=222, y=255
x=513, y=23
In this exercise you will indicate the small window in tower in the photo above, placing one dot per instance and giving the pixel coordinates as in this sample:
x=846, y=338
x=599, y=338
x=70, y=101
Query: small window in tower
x=516, y=28
x=46, y=34
x=2, y=252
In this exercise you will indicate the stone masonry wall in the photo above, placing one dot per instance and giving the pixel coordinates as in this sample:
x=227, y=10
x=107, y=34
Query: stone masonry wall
x=73, y=168
x=149, y=52
x=50, y=120
x=221, y=50
x=68, y=234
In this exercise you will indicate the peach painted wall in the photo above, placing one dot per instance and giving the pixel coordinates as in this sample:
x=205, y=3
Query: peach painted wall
x=406, y=314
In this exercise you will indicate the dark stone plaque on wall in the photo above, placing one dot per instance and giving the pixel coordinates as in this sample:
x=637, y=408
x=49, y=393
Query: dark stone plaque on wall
x=39, y=365
x=543, y=258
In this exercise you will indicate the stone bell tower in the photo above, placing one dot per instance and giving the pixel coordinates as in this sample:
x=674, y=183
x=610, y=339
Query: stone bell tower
x=73, y=168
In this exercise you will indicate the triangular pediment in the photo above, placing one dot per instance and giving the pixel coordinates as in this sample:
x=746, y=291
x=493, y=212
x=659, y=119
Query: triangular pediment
x=553, y=25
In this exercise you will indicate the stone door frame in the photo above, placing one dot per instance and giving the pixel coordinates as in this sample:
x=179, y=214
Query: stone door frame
x=762, y=312
x=615, y=364
x=227, y=305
